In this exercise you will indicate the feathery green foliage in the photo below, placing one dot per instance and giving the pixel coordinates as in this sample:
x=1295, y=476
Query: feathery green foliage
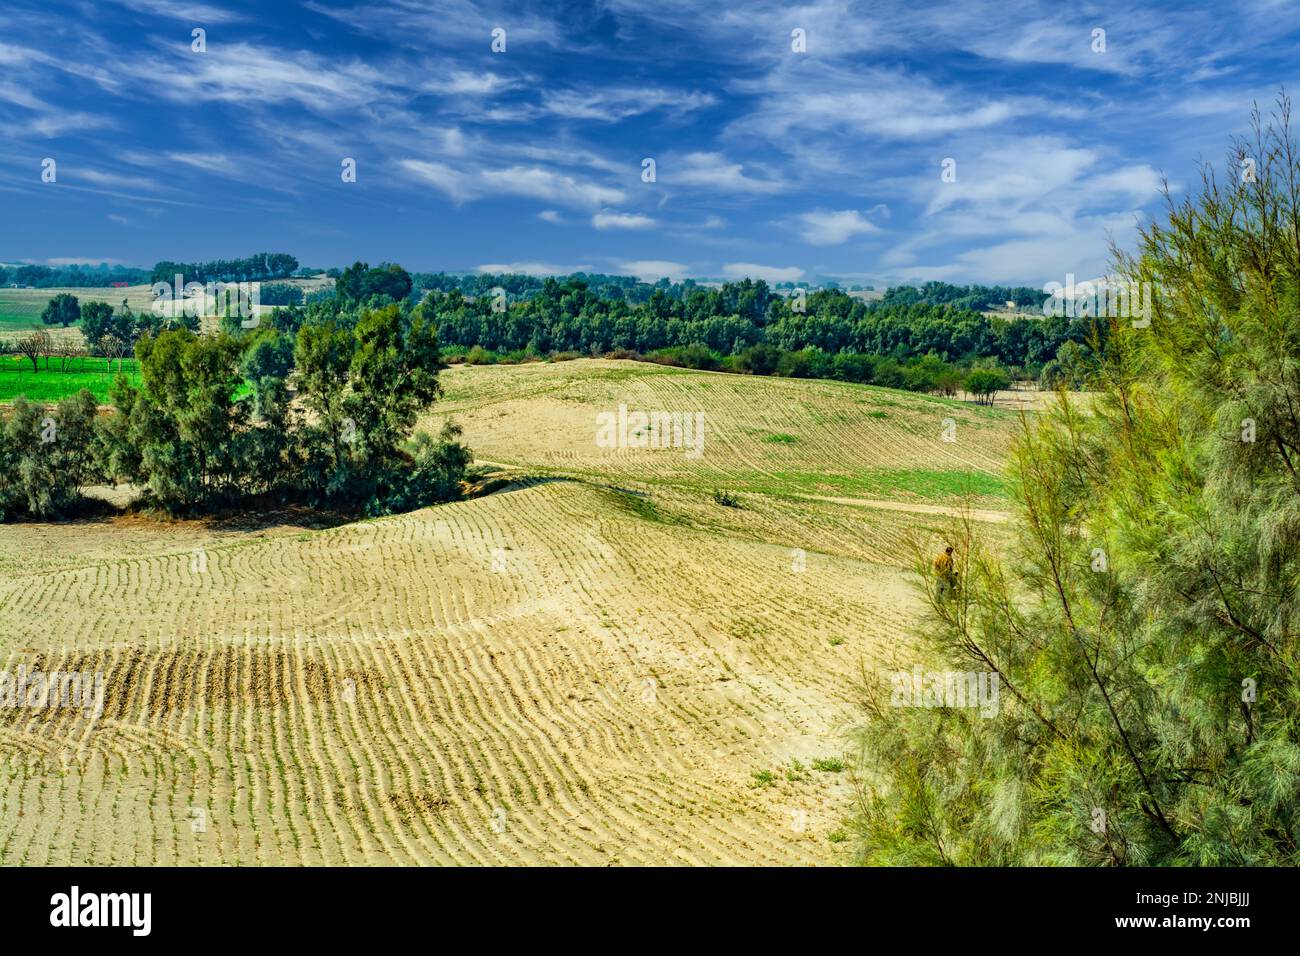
x=1143, y=630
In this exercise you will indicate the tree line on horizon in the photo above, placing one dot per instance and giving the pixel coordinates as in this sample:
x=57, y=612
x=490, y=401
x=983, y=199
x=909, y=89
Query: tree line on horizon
x=70, y=277
x=904, y=341
x=261, y=267
x=747, y=327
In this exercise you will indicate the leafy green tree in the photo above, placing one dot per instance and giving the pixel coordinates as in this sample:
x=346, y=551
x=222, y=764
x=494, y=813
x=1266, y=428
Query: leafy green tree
x=360, y=283
x=930, y=373
x=96, y=322
x=259, y=267
x=437, y=469
x=1144, y=625
x=1075, y=367
x=810, y=362
x=364, y=388
x=985, y=383
x=47, y=455
x=322, y=358
x=852, y=367
x=266, y=363
x=63, y=309
x=759, y=360
x=181, y=428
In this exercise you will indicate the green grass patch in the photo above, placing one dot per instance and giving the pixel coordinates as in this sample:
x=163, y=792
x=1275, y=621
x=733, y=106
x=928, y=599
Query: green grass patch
x=930, y=483
x=17, y=378
x=637, y=505
x=890, y=483
x=11, y=321
x=781, y=439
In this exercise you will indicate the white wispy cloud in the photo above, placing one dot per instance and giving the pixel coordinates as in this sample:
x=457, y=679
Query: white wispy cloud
x=621, y=220
x=465, y=183
x=549, y=185
x=875, y=103
x=471, y=83
x=611, y=105
x=101, y=178
x=208, y=162
x=712, y=170
x=1009, y=178
x=245, y=73
x=198, y=14
x=828, y=227
x=458, y=24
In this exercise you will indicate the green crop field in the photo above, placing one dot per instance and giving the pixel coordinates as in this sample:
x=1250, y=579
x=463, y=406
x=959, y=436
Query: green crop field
x=17, y=378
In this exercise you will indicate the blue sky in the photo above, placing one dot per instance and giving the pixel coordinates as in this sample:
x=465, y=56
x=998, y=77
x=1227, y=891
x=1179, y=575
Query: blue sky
x=769, y=162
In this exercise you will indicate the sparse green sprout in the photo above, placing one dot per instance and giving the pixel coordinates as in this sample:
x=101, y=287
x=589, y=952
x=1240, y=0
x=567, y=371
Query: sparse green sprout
x=828, y=764
x=763, y=778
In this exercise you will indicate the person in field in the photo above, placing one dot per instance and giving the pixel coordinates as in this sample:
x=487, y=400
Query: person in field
x=945, y=571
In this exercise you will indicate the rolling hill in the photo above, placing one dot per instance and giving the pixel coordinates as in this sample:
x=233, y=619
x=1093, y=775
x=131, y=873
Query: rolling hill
x=599, y=664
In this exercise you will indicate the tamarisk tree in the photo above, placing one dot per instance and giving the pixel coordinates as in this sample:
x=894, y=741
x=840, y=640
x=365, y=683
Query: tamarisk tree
x=1143, y=626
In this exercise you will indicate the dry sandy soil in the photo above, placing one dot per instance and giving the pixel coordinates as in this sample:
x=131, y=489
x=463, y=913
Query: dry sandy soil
x=597, y=665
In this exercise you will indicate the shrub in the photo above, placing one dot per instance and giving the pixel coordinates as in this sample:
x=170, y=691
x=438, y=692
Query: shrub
x=434, y=474
x=47, y=454
x=63, y=309
x=805, y=363
x=694, y=356
x=887, y=372
x=479, y=356
x=758, y=360
x=667, y=357
x=985, y=383
x=1141, y=624
x=852, y=367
